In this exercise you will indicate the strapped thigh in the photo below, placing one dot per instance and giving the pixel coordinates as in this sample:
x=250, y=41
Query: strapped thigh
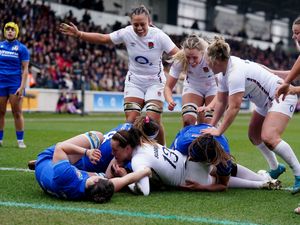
x=189, y=109
x=132, y=106
x=153, y=107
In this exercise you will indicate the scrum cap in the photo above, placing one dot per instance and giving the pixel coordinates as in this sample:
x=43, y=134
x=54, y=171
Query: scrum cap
x=13, y=25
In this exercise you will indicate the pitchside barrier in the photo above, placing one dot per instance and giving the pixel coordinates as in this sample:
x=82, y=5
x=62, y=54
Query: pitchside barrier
x=45, y=100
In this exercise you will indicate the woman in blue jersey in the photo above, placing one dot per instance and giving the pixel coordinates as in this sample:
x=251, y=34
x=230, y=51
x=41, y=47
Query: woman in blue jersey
x=103, y=145
x=145, y=79
x=14, y=61
x=58, y=177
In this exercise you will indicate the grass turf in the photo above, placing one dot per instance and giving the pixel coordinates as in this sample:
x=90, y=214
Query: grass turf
x=23, y=202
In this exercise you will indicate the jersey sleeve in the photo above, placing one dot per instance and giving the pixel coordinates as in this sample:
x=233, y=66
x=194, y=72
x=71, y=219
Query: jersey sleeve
x=117, y=36
x=236, y=82
x=143, y=185
x=24, y=53
x=175, y=69
x=167, y=43
x=64, y=173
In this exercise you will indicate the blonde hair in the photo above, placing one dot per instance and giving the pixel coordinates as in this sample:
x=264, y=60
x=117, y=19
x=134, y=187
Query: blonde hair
x=297, y=21
x=218, y=49
x=193, y=41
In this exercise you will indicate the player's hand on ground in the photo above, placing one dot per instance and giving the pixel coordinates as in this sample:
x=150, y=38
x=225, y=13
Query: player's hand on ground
x=191, y=186
x=67, y=29
x=94, y=155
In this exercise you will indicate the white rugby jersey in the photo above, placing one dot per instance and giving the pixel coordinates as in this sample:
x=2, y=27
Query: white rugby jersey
x=170, y=166
x=196, y=76
x=258, y=84
x=145, y=53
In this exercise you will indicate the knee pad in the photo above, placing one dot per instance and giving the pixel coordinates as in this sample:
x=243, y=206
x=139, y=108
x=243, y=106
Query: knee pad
x=153, y=107
x=132, y=106
x=189, y=109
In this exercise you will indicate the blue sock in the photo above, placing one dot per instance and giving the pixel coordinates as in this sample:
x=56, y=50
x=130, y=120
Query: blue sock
x=20, y=135
x=1, y=135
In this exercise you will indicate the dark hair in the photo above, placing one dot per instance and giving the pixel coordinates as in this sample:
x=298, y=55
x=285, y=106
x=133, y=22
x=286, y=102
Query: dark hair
x=101, y=191
x=206, y=149
x=140, y=10
x=130, y=137
x=147, y=126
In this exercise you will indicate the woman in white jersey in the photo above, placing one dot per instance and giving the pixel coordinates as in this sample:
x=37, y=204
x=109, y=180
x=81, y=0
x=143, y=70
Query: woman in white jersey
x=145, y=79
x=244, y=79
x=172, y=168
x=295, y=71
x=199, y=86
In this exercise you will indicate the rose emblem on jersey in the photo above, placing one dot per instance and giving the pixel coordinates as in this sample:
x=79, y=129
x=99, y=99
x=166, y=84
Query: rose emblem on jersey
x=159, y=93
x=205, y=69
x=150, y=45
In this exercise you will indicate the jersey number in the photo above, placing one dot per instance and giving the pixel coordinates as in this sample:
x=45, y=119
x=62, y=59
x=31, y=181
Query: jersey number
x=170, y=156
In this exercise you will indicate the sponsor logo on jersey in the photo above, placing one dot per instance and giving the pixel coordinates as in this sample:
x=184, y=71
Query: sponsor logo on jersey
x=132, y=44
x=150, y=45
x=141, y=60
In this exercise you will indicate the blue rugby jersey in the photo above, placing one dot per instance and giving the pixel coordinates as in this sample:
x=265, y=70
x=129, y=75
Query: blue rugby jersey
x=61, y=179
x=189, y=133
x=12, y=54
x=106, y=152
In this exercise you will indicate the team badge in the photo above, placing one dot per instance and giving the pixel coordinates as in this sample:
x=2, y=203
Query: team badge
x=159, y=93
x=15, y=48
x=150, y=45
x=205, y=69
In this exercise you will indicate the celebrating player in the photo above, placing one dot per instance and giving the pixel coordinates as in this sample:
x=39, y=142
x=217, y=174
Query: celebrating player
x=295, y=71
x=242, y=78
x=145, y=79
x=199, y=86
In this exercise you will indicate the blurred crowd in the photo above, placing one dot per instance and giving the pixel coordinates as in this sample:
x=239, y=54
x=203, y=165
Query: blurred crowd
x=63, y=62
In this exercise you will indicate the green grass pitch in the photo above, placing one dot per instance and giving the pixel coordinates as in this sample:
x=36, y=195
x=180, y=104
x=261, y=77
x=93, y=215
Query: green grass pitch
x=23, y=202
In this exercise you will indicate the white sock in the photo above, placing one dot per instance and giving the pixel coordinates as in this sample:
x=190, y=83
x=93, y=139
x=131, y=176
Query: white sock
x=236, y=182
x=269, y=156
x=285, y=151
x=247, y=174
